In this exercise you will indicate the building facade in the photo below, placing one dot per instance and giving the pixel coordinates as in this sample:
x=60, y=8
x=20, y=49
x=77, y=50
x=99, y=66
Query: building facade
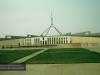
x=48, y=40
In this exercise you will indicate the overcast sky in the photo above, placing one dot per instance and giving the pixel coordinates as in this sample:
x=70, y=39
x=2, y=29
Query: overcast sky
x=22, y=17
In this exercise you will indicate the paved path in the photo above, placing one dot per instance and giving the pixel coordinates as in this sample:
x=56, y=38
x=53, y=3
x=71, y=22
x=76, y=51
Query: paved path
x=96, y=49
x=29, y=56
x=58, y=69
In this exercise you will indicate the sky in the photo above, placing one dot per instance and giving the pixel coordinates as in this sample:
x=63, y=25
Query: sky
x=22, y=17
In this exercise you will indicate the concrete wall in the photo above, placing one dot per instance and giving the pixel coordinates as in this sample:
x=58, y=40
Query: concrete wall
x=75, y=39
x=9, y=42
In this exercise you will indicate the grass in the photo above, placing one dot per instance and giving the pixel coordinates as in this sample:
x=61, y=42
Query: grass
x=66, y=49
x=7, y=56
x=66, y=55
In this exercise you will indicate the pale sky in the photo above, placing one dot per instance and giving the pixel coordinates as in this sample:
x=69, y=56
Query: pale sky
x=22, y=17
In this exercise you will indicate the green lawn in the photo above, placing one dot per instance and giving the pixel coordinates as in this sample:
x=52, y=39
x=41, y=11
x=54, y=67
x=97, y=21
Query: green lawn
x=66, y=55
x=7, y=56
x=66, y=49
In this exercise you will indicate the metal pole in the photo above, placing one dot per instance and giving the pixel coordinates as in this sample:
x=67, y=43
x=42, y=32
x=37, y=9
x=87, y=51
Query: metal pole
x=48, y=30
x=45, y=30
x=57, y=30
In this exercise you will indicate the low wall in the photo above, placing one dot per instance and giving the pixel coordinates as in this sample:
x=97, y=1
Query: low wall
x=70, y=45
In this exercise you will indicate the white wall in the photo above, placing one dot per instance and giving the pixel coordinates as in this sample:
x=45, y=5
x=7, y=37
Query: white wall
x=33, y=39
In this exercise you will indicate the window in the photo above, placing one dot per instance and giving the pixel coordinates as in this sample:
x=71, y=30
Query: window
x=59, y=41
x=50, y=38
x=59, y=38
x=43, y=42
x=38, y=39
x=25, y=43
x=52, y=41
x=47, y=38
x=56, y=38
x=64, y=42
x=30, y=43
x=43, y=38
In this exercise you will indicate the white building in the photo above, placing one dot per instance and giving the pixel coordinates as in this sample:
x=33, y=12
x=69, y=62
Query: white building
x=48, y=40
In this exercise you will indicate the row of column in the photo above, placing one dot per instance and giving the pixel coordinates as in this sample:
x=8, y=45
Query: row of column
x=54, y=41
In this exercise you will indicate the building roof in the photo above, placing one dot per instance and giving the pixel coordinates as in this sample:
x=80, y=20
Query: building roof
x=9, y=37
